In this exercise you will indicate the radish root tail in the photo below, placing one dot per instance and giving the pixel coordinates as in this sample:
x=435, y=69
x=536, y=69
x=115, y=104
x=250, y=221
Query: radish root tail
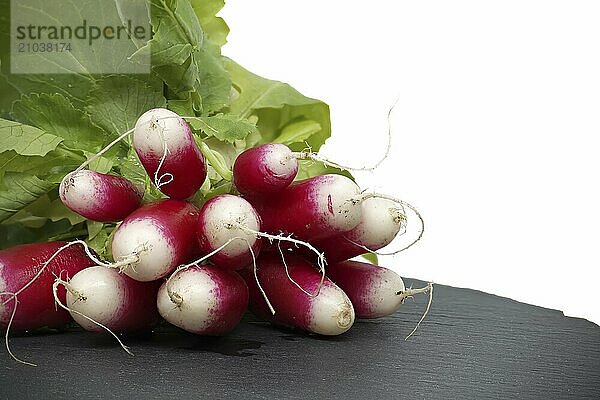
x=309, y=155
x=403, y=204
x=6, y=334
x=167, y=177
x=409, y=293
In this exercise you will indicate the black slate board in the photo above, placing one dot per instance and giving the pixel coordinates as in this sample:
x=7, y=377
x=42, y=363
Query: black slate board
x=472, y=346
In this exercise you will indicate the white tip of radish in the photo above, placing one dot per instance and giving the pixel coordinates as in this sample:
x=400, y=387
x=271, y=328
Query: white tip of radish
x=382, y=293
x=100, y=295
x=190, y=303
x=332, y=312
x=337, y=201
x=145, y=238
x=380, y=223
x=79, y=190
x=281, y=160
x=226, y=218
x=159, y=127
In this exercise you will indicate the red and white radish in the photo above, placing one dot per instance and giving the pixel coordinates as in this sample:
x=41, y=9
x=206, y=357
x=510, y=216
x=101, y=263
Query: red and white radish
x=100, y=197
x=166, y=148
x=27, y=271
x=205, y=300
x=112, y=299
x=157, y=237
x=232, y=222
x=271, y=167
x=374, y=291
x=312, y=209
x=264, y=169
x=380, y=222
x=328, y=313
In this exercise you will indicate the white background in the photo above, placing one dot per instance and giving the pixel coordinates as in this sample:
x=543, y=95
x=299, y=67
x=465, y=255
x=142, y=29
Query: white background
x=494, y=137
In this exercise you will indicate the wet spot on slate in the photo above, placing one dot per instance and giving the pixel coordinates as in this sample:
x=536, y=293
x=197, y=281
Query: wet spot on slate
x=227, y=346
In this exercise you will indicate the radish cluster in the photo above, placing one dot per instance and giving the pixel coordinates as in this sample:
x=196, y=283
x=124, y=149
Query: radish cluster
x=201, y=266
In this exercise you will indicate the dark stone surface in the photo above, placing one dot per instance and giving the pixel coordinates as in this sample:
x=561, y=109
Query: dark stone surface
x=472, y=346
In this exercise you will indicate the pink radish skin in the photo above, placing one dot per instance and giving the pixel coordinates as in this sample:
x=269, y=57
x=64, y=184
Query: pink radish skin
x=380, y=222
x=329, y=313
x=374, y=291
x=163, y=234
x=184, y=161
x=36, y=308
x=100, y=197
x=205, y=300
x=264, y=169
x=312, y=209
x=223, y=218
x=112, y=299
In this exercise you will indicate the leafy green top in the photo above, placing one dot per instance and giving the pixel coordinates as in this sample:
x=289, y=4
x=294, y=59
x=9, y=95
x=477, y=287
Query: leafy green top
x=50, y=124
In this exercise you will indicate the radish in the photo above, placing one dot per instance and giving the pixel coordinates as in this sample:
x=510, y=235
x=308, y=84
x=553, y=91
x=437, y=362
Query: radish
x=324, y=207
x=156, y=238
x=312, y=209
x=374, y=291
x=166, y=148
x=112, y=299
x=330, y=312
x=26, y=277
x=227, y=217
x=100, y=197
x=27, y=271
x=205, y=300
x=271, y=167
x=264, y=169
x=380, y=222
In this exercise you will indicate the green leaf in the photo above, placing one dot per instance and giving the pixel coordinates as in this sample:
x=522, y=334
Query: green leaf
x=276, y=104
x=177, y=31
x=226, y=127
x=217, y=161
x=26, y=140
x=371, y=257
x=184, y=58
x=20, y=190
x=94, y=228
x=177, y=34
x=298, y=132
x=215, y=27
x=101, y=241
x=56, y=162
x=215, y=83
x=55, y=114
x=131, y=168
x=116, y=101
x=185, y=107
x=309, y=168
x=73, y=86
x=58, y=211
x=15, y=234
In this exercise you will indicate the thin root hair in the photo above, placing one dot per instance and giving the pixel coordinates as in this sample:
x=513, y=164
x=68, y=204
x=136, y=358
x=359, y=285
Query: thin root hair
x=308, y=154
x=321, y=261
x=404, y=204
x=167, y=177
x=287, y=272
x=6, y=334
x=409, y=293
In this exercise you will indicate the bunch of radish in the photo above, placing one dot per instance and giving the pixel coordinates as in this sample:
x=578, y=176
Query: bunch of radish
x=276, y=246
